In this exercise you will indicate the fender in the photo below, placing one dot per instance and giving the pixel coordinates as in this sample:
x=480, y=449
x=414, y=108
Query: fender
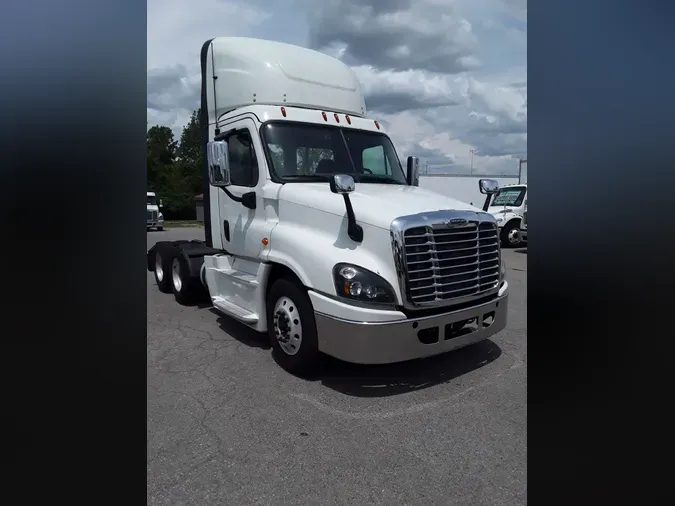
x=313, y=262
x=505, y=218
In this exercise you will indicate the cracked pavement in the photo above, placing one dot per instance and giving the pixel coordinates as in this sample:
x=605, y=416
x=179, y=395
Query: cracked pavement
x=226, y=425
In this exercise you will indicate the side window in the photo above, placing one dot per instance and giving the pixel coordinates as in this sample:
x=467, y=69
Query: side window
x=243, y=162
x=375, y=161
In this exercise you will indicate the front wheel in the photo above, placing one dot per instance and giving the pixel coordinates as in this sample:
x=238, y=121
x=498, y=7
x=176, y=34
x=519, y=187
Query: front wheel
x=511, y=237
x=291, y=327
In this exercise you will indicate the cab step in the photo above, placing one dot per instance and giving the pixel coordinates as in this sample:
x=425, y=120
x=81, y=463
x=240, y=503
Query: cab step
x=231, y=309
x=239, y=276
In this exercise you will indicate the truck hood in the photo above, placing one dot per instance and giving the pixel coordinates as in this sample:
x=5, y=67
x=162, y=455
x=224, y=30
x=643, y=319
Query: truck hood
x=374, y=204
x=502, y=210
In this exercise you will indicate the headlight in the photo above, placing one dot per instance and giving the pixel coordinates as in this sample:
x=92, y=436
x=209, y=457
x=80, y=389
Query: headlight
x=499, y=218
x=160, y=216
x=359, y=284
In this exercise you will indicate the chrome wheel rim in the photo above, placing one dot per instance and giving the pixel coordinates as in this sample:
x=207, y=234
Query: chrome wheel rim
x=159, y=271
x=175, y=275
x=514, y=237
x=287, y=326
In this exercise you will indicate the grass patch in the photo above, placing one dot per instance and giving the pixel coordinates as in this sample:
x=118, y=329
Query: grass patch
x=183, y=223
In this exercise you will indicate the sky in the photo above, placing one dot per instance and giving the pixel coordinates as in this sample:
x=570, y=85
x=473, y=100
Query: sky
x=444, y=77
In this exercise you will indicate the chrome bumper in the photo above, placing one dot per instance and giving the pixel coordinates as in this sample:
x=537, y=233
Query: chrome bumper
x=401, y=340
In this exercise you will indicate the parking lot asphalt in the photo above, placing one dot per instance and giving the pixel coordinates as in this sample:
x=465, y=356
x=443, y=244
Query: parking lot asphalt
x=226, y=425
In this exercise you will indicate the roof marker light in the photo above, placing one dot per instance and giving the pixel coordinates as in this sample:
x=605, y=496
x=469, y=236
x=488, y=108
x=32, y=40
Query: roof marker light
x=325, y=118
x=283, y=112
x=377, y=125
x=349, y=120
x=337, y=118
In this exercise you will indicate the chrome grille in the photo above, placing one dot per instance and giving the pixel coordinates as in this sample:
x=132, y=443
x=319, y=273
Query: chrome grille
x=444, y=263
x=152, y=215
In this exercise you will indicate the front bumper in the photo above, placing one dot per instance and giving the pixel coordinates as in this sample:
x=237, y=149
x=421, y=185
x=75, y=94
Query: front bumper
x=153, y=223
x=384, y=342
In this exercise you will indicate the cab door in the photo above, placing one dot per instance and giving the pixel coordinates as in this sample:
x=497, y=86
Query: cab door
x=243, y=229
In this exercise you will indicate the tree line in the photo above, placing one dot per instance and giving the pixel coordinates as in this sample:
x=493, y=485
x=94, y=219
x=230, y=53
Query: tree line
x=175, y=168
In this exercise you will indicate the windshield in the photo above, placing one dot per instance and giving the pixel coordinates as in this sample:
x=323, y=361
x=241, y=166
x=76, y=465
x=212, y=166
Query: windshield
x=152, y=201
x=509, y=197
x=302, y=152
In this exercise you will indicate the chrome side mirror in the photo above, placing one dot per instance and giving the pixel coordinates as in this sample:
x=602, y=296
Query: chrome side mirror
x=219, y=166
x=413, y=171
x=342, y=184
x=488, y=186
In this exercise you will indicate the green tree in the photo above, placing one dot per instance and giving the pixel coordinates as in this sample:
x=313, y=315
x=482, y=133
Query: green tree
x=190, y=155
x=162, y=150
x=175, y=168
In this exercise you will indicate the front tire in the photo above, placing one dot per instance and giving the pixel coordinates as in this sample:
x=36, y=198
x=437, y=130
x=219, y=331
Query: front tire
x=511, y=237
x=291, y=327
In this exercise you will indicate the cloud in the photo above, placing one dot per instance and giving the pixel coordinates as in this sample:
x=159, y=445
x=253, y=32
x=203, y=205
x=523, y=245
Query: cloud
x=390, y=92
x=396, y=35
x=444, y=76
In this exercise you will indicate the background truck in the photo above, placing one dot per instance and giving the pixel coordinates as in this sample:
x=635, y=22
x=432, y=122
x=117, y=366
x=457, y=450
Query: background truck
x=523, y=223
x=508, y=207
x=154, y=219
x=314, y=232
x=508, y=204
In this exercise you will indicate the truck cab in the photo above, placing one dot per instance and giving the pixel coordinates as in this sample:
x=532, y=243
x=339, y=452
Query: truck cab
x=508, y=207
x=315, y=233
x=523, y=223
x=154, y=218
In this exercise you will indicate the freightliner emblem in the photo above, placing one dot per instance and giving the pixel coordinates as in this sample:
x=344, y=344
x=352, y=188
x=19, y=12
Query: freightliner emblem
x=456, y=222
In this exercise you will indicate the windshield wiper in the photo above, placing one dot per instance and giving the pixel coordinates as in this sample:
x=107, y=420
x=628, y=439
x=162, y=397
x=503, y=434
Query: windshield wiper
x=378, y=179
x=308, y=177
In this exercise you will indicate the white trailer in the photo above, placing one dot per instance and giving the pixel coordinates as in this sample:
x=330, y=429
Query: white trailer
x=462, y=187
x=315, y=233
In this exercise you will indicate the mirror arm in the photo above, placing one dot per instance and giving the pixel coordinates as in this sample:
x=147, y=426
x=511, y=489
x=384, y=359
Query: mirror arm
x=247, y=199
x=354, y=230
x=488, y=197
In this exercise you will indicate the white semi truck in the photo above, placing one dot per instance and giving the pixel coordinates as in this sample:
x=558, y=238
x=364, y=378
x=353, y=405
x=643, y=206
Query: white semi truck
x=523, y=223
x=508, y=207
x=314, y=233
x=154, y=218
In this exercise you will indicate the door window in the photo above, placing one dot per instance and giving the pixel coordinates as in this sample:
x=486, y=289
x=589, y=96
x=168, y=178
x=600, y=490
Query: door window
x=243, y=162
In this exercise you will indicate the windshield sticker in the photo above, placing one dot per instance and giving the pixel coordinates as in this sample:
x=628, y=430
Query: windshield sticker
x=507, y=198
